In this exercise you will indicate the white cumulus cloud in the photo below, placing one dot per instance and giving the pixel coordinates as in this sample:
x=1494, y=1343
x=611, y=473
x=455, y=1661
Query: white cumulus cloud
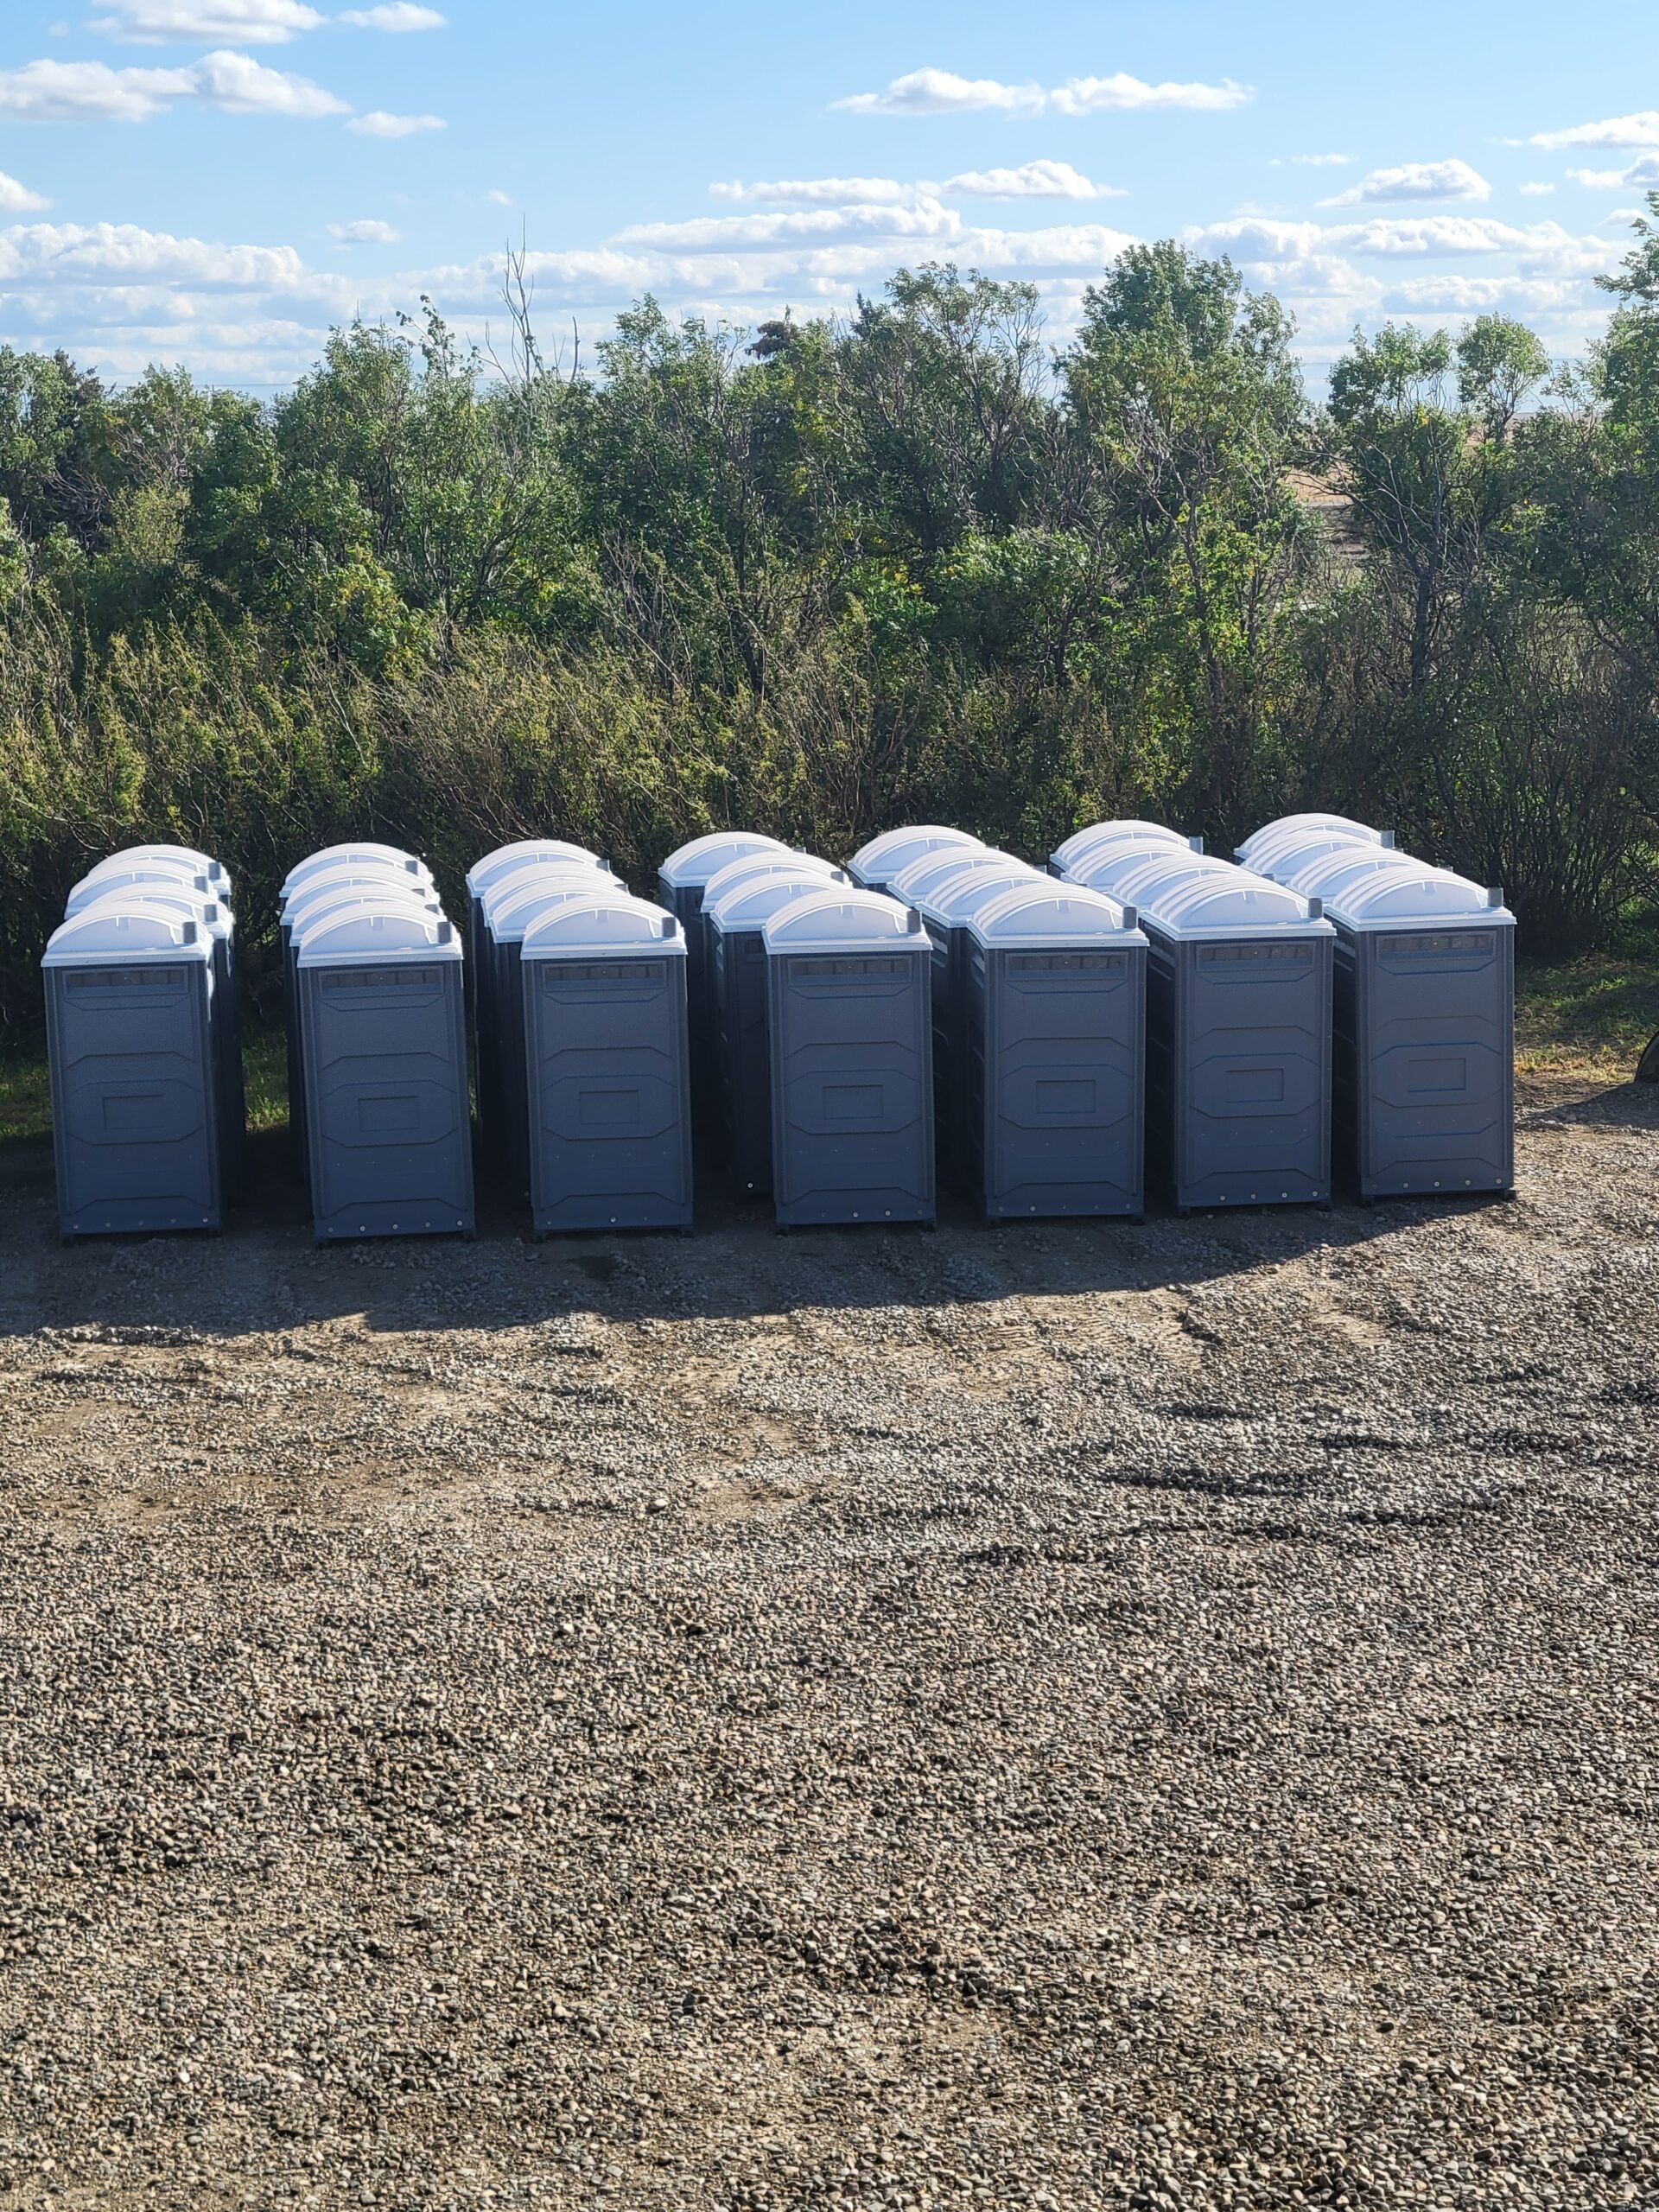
x=1092, y=95
x=1413, y=181
x=124, y=253
x=1636, y=131
x=1031, y=180
x=922, y=218
x=395, y=15
x=367, y=230
x=17, y=200
x=1313, y=162
x=377, y=123
x=816, y=191
x=165, y=22
x=941, y=92
x=499, y=199
x=91, y=92
x=1534, y=188
x=1642, y=172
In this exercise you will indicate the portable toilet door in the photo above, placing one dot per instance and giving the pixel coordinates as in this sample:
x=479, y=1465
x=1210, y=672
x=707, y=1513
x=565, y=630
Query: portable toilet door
x=947, y=908
x=330, y=892
x=135, y=1118
x=852, y=1084
x=737, y=971
x=603, y=982
x=1238, y=1041
x=1313, y=823
x=388, y=1124
x=1099, y=835
x=1056, y=1057
x=681, y=882
x=510, y=907
x=874, y=865
x=185, y=902
x=1425, y=1034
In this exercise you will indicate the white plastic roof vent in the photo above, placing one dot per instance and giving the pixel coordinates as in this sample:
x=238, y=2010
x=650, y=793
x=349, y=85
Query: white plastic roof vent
x=1053, y=914
x=383, y=936
x=844, y=921
x=609, y=928
x=127, y=934
x=493, y=866
x=1099, y=837
x=692, y=866
x=358, y=857
x=1313, y=823
x=970, y=889
x=748, y=906
x=748, y=867
x=894, y=850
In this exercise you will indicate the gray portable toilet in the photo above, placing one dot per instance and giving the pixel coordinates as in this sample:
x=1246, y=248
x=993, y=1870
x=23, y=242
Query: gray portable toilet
x=874, y=865
x=1424, y=1089
x=384, y=1052
x=129, y=1042
x=183, y=899
x=852, y=1050
x=607, y=1067
x=1271, y=831
x=749, y=869
x=508, y=908
x=332, y=890
x=737, y=969
x=947, y=908
x=1238, y=1039
x=507, y=860
x=681, y=882
x=1097, y=836
x=1055, y=1054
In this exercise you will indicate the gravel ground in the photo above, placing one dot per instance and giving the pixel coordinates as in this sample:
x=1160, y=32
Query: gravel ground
x=1054, y=1716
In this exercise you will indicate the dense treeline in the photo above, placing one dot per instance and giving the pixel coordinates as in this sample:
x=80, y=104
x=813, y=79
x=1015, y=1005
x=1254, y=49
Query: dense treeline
x=829, y=576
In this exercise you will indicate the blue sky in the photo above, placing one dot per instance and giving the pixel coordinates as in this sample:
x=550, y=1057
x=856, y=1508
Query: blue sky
x=218, y=181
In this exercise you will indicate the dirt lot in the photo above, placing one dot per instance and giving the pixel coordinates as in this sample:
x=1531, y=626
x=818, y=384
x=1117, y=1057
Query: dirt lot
x=1053, y=1717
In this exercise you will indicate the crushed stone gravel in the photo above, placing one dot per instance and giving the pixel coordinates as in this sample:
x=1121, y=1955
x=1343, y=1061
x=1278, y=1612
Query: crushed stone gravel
x=1054, y=1717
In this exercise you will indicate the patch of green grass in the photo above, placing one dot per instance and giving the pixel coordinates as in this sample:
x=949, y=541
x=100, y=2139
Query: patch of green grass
x=26, y=1097
x=1596, y=1013
x=264, y=1072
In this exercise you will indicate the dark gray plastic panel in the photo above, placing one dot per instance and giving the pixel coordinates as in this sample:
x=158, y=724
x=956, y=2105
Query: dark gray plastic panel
x=852, y=1084
x=610, y=1101
x=134, y=1112
x=1056, y=1078
x=1425, y=1058
x=388, y=1113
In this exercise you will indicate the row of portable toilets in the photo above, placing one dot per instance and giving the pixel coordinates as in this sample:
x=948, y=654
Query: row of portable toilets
x=845, y=1041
